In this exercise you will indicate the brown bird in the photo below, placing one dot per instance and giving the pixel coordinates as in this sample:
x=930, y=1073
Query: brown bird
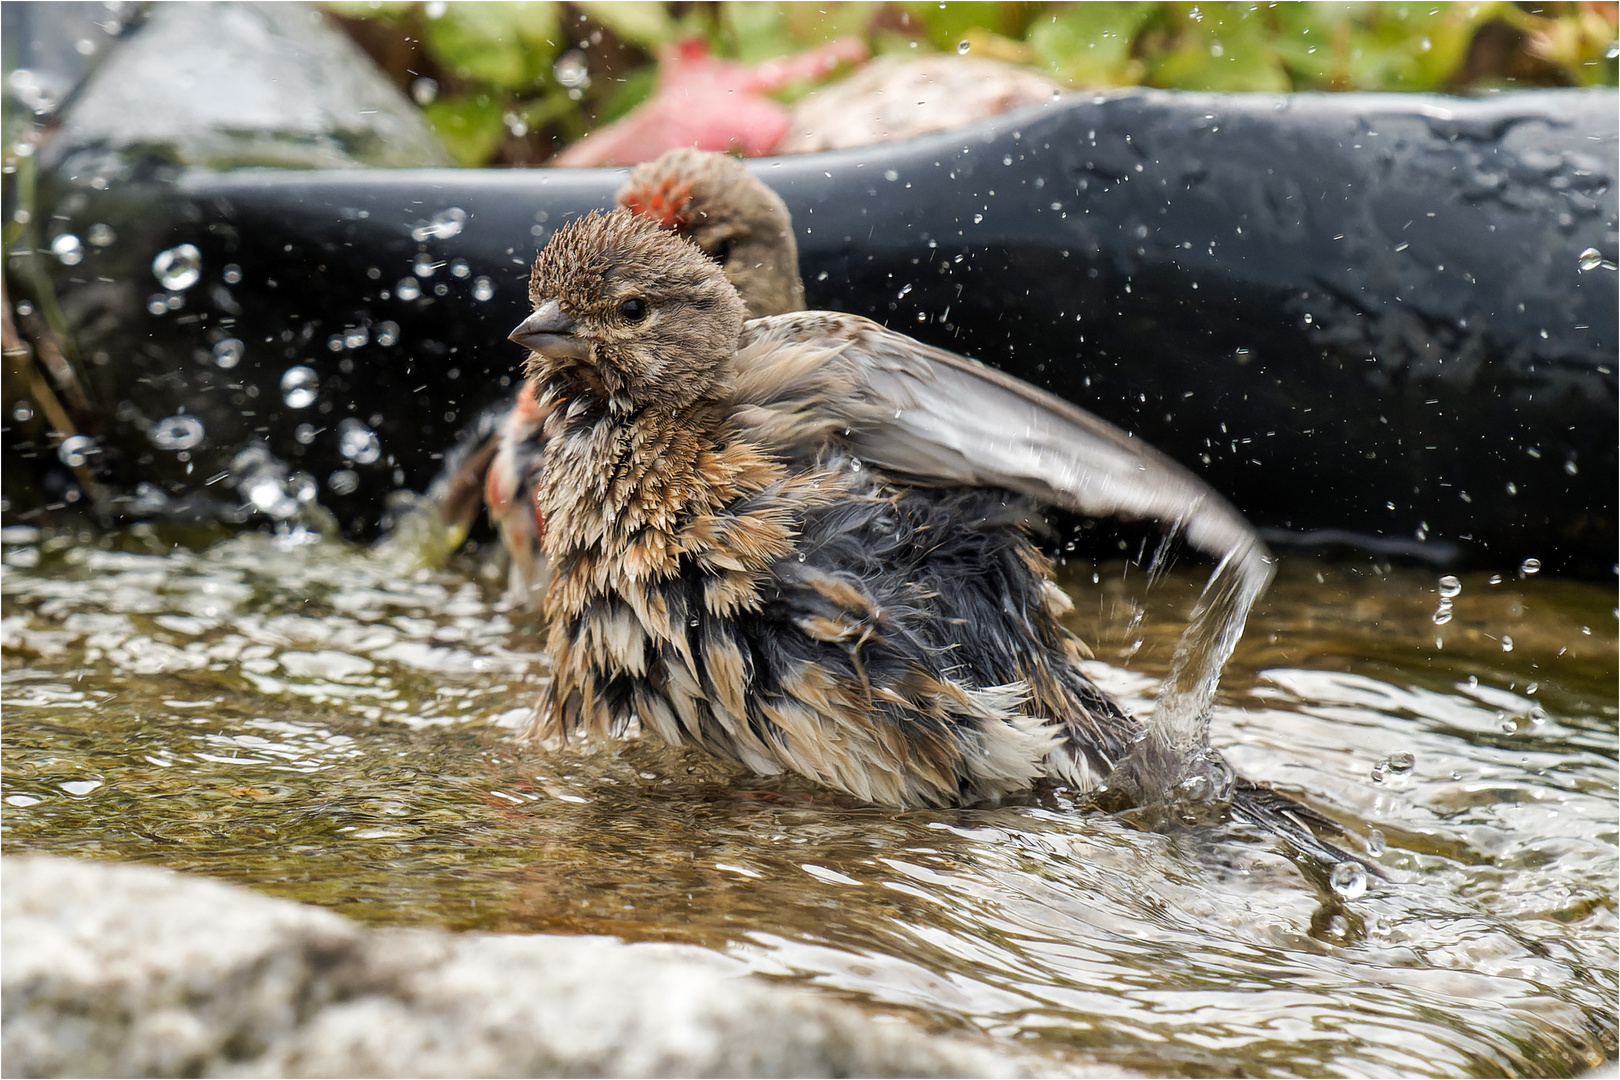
x=806, y=543
x=737, y=221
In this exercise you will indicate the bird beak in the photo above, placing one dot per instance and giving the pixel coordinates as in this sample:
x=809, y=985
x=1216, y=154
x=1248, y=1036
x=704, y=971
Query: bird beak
x=551, y=333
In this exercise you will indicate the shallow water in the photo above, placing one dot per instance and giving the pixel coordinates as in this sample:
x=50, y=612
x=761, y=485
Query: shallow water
x=299, y=716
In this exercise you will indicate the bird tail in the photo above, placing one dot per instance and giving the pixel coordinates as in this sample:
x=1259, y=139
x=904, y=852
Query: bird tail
x=458, y=491
x=1293, y=823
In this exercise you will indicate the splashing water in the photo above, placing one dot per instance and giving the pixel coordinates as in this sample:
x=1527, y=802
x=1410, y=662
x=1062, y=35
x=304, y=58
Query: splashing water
x=178, y=268
x=326, y=725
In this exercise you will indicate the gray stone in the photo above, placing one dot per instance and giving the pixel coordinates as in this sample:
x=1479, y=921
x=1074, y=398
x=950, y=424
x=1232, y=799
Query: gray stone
x=121, y=970
x=226, y=85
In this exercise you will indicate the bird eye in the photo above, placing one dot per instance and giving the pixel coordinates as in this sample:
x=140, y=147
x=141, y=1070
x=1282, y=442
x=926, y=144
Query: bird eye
x=634, y=309
x=721, y=252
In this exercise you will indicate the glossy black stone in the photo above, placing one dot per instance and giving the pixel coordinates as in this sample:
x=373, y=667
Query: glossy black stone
x=1363, y=317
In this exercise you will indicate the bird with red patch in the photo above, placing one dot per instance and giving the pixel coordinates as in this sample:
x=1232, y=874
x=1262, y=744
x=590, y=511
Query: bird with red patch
x=715, y=202
x=808, y=544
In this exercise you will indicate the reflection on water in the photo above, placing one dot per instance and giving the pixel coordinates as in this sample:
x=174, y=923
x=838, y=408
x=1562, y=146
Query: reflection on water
x=298, y=716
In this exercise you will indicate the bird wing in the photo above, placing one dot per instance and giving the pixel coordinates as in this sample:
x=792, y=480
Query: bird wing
x=938, y=418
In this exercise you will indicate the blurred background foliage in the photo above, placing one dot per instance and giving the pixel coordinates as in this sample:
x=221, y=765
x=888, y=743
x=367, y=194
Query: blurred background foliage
x=513, y=82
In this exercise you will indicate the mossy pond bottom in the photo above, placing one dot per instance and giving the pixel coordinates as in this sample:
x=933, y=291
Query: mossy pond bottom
x=302, y=717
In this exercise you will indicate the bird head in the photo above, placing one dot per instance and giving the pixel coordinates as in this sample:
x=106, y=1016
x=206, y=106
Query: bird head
x=715, y=202
x=629, y=315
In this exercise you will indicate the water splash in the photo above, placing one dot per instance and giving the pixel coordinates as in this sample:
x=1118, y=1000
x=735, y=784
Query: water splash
x=176, y=433
x=68, y=250
x=444, y=225
x=178, y=268
x=299, y=386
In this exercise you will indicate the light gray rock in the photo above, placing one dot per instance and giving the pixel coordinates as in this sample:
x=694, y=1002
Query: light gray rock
x=121, y=970
x=226, y=85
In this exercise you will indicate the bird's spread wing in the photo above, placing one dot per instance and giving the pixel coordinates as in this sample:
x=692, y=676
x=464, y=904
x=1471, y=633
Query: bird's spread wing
x=939, y=418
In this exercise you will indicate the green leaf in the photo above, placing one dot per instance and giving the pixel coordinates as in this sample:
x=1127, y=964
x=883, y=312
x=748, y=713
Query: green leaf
x=470, y=125
x=1090, y=44
x=640, y=22
x=628, y=92
x=754, y=32
x=948, y=24
x=508, y=44
x=383, y=11
x=1220, y=47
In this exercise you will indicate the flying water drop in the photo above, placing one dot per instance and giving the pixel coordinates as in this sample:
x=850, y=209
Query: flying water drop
x=1349, y=879
x=442, y=226
x=358, y=443
x=387, y=333
x=483, y=289
x=101, y=234
x=68, y=249
x=176, y=433
x=178, y=268
x=299, y=385
x=408, y=289
x=1529, y=566
x=228, y=353
x=76, y=450
x=1450, y=586
x=343, y=482
x=1590, y=259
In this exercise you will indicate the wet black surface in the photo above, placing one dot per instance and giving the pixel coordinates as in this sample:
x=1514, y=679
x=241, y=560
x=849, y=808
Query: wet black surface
x=1352, y=314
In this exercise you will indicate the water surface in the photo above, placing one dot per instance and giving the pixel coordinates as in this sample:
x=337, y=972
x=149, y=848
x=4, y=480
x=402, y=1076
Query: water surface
x=305, y=718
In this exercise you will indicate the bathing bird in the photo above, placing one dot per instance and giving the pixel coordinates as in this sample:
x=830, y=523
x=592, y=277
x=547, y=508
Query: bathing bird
x=808, y=544
x=712, y=200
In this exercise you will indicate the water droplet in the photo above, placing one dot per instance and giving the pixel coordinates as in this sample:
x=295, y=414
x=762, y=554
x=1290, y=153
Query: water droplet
x=232, y=274
x=962, y=48
x=1006, y=159
x=890, y=175
x=68, y=249
x=176, y=433
x=343, y=482
x=335, y=343
x=424, y=266
x=571, y=70
x=424, y=90
x=305, y=434
x=268, y=496
x=1442, y=614
x=76, y=450
x=1590, y=259
x=22, y=412
x=408, y=289
x=355, y=337
x=1401, y=763
x=1530, y=566
x=483, y=288
x=1375, y=843
x=978, y=218
x=1570, y=467
x=387, y=333
x=1450, y=586
x=299, y=385
x=101, y=234
x=516, y=126
x=1507, y=643
x=459, y=268
x=358, y=443
x=854, y=464
x=178, y=268
x=1349, y=879
x=228, y=353
x=441, y=226
x=80, y=787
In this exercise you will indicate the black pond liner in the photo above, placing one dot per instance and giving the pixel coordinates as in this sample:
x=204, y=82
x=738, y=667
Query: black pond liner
x=1363, y=317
